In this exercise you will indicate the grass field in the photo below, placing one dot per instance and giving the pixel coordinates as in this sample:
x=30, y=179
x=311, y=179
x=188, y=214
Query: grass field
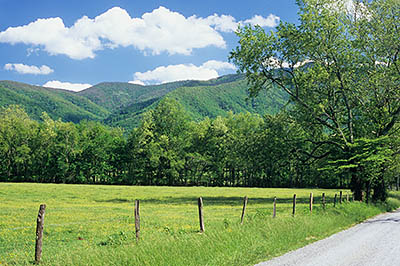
x=94, y=225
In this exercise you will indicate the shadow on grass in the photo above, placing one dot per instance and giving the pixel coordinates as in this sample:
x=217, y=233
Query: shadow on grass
x=394, y=194
x=220, y=201
x=116, y=200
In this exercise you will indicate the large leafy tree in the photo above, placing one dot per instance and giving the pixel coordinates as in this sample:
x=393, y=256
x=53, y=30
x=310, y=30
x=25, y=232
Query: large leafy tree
x=100, y=150
x=340, y=65
x=16, y=151
x=158, y=146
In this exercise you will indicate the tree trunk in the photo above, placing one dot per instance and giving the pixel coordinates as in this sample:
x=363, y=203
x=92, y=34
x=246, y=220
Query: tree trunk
x=380, y=193
x=356, y=186
x=367, y=195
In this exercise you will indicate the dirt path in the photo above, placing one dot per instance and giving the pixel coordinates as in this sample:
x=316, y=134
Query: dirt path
x=373, y=242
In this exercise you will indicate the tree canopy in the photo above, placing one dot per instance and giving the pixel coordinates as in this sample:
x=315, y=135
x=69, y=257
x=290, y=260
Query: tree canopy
x=340, y=65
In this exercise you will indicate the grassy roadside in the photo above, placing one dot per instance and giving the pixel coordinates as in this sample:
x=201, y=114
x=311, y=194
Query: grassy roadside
x=93, y=225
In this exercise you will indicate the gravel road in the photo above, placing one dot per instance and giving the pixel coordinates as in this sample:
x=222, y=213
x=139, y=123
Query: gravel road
x=373, y=242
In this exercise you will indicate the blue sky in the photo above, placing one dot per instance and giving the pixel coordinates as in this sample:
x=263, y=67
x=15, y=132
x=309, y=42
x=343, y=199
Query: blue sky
x=75, y=44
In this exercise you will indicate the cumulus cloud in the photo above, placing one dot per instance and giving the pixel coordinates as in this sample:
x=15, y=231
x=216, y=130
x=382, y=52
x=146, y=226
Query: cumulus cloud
x=170, y=73
x=66, y=85
x=137, y=82
x=161, y=30
x=224, y=23
x=227, y=23
x=25, y=69
x=270, y=21
x=218, y=65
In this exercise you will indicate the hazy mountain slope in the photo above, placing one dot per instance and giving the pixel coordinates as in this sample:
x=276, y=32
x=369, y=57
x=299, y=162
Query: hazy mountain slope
x=206, y=98
x=204, y=101
x=57, y=103
x=122, y=104
x=115, y=95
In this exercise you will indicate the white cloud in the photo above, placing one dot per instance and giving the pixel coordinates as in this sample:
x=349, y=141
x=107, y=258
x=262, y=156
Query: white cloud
x=137, y=82
x=52, y=36
x=25, y=69
x=224, y=23
x=227, y=23
x=218, y=65
x=66, y=85
x=170, y=73
x=161, y=30
x=270, y=21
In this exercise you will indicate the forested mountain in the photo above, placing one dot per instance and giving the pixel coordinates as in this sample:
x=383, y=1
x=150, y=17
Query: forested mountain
x=122, y=104
x=116, y=95
x=62, y=104
x=205, y=99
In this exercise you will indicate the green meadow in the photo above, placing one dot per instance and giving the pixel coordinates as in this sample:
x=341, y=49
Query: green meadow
x=94, y=225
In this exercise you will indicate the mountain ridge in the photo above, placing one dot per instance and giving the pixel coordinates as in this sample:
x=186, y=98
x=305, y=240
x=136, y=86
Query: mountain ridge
x=122, y=104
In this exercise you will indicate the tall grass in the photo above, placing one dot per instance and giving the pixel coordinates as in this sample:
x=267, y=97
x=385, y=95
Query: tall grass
x=94, y=225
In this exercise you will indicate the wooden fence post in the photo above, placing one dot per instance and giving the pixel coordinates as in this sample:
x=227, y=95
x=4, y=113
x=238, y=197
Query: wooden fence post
x=340, y=197
x=323, y=201
x=334, y=200
x=244, y=209
x=274, y=212
x=137, y=220
x=200, y=204
x=311, y=201
x=294, y=204
x=39, y=233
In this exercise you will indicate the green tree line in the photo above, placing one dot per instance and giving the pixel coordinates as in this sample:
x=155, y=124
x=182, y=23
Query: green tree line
x=166, y=149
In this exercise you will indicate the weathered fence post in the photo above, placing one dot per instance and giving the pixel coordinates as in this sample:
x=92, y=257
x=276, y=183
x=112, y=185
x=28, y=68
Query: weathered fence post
x=39, y=233
x=334, y=200
x=294, y=204
x=274, y=212
x=200, y=204
x=137, y=220
x=323, y=201
x=311, y=201
x=340, y=197
x=244, y=209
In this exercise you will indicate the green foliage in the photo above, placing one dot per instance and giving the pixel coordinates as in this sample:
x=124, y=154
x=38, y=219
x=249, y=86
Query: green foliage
x=166, y=149
x=114, y=96
x=199, y=98
x=17, y=133
x=56, y=103
x=56, y=151
x=201, y=101
x=340, y=70
x=123, y=104
x=158, y=145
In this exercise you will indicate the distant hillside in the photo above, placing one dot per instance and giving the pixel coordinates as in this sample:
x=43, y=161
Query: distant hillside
x=116, y=95
x=206, y=98
x=62, y=104
x=122, y=104
x=216, y=100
